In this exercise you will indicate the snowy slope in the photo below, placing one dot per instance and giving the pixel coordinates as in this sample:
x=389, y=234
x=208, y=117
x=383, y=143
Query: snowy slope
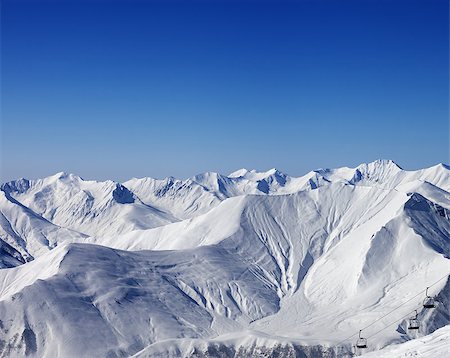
x=27, y=233
x=109, y=208
x=387, y=174
x=298, y=241
x=251, y=344
x=197, y=195
x=89, y=207
x=434, y=345
x=117, y=302
x=183, y=199
x=215, y=263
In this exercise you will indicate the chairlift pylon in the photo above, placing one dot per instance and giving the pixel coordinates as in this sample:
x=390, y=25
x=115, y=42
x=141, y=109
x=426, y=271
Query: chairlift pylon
x=429, y=301
x=361, y=342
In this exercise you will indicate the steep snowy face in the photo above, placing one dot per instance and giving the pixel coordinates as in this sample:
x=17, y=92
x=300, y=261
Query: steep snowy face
x=241, y=260
x=98, y=208
x=183, y=199
x=109, y=209
x=266, y=182
x=332, y=248
x=375, y=172
x=310, y=267
x=437, y=175
x=25, y=234
x=387, y=174
x=115, y=303
x=89, y=207
x=199, y=194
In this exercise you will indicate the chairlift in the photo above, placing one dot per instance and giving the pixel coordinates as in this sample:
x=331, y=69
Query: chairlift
x=429, y=301
x=413, y=323
x=361, y=342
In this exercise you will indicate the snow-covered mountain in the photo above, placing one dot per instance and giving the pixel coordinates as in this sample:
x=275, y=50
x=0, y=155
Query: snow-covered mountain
x=27, y=233
x=239, y=265
x=89, y=207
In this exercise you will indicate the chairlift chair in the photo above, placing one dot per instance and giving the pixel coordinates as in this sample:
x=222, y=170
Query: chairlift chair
x=413, y=323
x=429, y=301
x=361, y=342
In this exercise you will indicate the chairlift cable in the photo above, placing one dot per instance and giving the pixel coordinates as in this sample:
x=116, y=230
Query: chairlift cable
x=390, y=312
x=390, y=324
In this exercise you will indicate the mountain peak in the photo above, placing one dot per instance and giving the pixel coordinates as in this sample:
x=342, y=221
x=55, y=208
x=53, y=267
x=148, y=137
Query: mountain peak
x=64, y=176
x=385, y=163
x=122, y=195
x=273, y=171
x=238, y=173
x=440, y=166
x=60, y=175
x=256, y=175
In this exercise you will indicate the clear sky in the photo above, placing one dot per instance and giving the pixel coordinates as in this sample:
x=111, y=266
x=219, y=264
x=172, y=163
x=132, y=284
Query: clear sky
x=116, y=89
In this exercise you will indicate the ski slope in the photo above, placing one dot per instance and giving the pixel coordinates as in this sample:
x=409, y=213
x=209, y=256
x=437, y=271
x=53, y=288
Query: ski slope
x=437, y=344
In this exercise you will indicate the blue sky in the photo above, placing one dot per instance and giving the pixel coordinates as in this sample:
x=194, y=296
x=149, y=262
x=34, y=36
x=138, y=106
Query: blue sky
x=116, y=89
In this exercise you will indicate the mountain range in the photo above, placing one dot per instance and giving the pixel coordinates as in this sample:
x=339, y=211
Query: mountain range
x=246, y=264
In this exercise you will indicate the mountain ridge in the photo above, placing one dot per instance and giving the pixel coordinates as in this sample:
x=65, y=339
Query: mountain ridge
x=200, y=262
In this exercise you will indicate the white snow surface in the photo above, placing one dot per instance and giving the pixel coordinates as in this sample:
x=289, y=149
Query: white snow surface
x=436, y=344
x=242, y=263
